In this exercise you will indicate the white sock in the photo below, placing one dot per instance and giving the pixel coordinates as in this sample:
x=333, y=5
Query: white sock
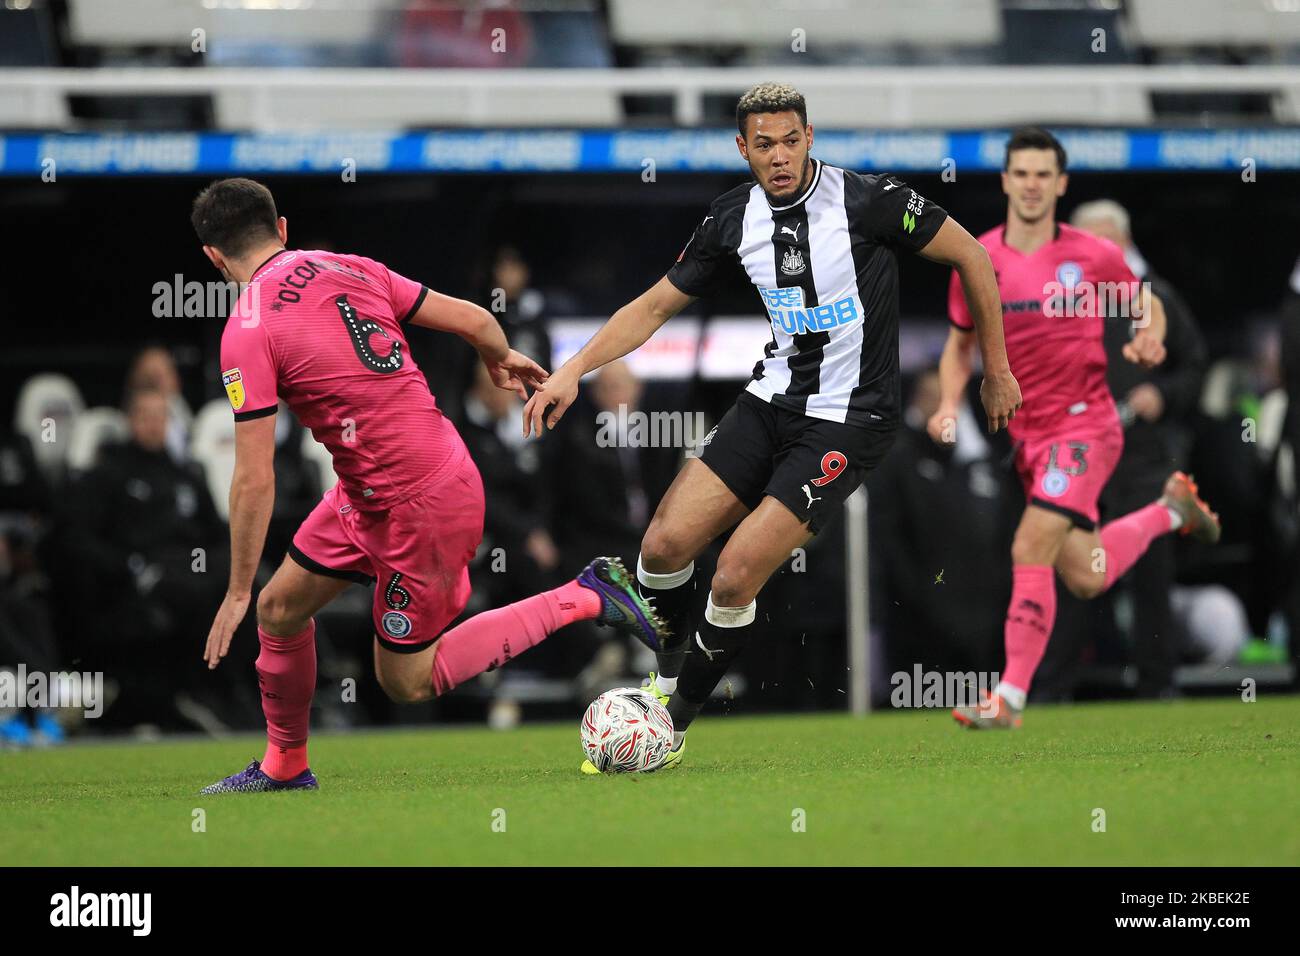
x=730, y=616
x=1175, y=518
x=663, y=582
x=678, y=737
x=667, y=685
x=1012, y=694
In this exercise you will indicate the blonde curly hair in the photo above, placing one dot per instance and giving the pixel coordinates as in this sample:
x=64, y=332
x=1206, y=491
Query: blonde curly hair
x=770, y=98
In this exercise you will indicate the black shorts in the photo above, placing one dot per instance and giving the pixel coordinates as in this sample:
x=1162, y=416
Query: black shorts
x=808, y=464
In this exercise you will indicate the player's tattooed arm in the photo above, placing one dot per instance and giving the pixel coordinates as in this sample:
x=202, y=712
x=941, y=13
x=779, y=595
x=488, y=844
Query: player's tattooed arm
x=627, y=329
x=252, y=497
x=954, y=246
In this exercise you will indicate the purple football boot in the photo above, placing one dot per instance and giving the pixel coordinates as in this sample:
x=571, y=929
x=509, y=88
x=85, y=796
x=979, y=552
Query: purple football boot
x=252, y=780
x=621, y=605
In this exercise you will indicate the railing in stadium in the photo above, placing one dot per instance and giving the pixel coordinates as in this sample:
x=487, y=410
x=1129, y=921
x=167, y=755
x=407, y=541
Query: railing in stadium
x=260, y=99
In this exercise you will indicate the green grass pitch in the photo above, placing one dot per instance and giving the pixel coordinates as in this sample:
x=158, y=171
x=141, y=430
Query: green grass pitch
x=1181, y=783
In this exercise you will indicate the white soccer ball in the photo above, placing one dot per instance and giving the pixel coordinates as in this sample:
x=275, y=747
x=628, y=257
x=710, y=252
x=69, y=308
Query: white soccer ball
x=627, y=730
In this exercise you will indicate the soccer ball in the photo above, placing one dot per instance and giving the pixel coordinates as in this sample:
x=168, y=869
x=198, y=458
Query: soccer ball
x=626, y=730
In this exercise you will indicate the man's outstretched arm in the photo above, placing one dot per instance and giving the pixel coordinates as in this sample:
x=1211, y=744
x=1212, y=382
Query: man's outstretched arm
x=477, y=326
x=627, y=329
x=252, y=496
x=954, y=246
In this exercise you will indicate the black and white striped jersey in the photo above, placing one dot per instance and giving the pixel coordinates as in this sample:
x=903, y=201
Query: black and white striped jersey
x=826, y=270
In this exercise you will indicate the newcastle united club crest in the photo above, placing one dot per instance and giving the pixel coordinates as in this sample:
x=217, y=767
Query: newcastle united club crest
x=792, y=262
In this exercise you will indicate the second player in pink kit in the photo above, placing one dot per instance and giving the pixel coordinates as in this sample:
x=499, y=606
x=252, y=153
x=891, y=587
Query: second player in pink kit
x=323, y=333
x=1058, y=286
x=1067, y=434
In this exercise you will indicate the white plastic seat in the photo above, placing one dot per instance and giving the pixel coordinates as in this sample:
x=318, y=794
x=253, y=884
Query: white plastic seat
x=95, y=428
x=1219, y=387
x=49, y=405
x=1272, y=417
x=769, y=23
x=1213, y=22
x=212, y=445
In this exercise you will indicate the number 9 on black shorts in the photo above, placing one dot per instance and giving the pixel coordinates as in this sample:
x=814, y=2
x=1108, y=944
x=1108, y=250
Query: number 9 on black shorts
x=808, y=464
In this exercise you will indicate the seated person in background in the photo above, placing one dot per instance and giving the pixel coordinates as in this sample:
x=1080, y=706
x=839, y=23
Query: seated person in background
x=523, y=312
x=298, y=484
x=513, y=521
x=154, y=368
x=26, y=638
x=451, y=367
x=27, y=634
x=517, y=557
x=144, y=534
x=602, y=490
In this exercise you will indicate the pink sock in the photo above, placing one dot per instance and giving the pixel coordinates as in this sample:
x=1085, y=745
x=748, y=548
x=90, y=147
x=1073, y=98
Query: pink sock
x=1029, y=622
x=488, y=640
x=1126, y=539
x=286, y=673
x=284, y=763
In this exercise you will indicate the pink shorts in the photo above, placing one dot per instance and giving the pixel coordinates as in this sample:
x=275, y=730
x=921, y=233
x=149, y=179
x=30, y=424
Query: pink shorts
x=418, y=552
x=1066, y=469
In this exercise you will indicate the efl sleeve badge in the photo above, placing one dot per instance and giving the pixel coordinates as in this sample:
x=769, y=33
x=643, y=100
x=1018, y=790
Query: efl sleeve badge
x=234, y=382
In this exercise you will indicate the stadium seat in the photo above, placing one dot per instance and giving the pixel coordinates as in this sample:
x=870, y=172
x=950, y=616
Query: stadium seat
x=212, y=445
x=48, y=408
x=764, y=23
x=950, y=98
x=182, y=415
x=1272, y=418
x=340, y=24
x=137, y=22
x=21, y=108
x=1286, y=471
x=28, y=35
x=1222, y=382
x=1213, y=22
x=348, y=103
x=95, y=428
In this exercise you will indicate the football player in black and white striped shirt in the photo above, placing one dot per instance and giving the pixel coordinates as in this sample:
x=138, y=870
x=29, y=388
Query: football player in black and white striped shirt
x=820, y=245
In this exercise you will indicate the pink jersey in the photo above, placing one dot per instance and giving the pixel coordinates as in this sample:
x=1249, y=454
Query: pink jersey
x=323, y=332
x=1053, y=305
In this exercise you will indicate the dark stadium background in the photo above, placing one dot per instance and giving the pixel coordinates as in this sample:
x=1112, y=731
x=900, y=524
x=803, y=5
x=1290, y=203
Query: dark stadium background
x=82, y=256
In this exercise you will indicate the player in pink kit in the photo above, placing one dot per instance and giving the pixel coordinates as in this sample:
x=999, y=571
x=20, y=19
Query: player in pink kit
x=1058, y=285
x=323, y=333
